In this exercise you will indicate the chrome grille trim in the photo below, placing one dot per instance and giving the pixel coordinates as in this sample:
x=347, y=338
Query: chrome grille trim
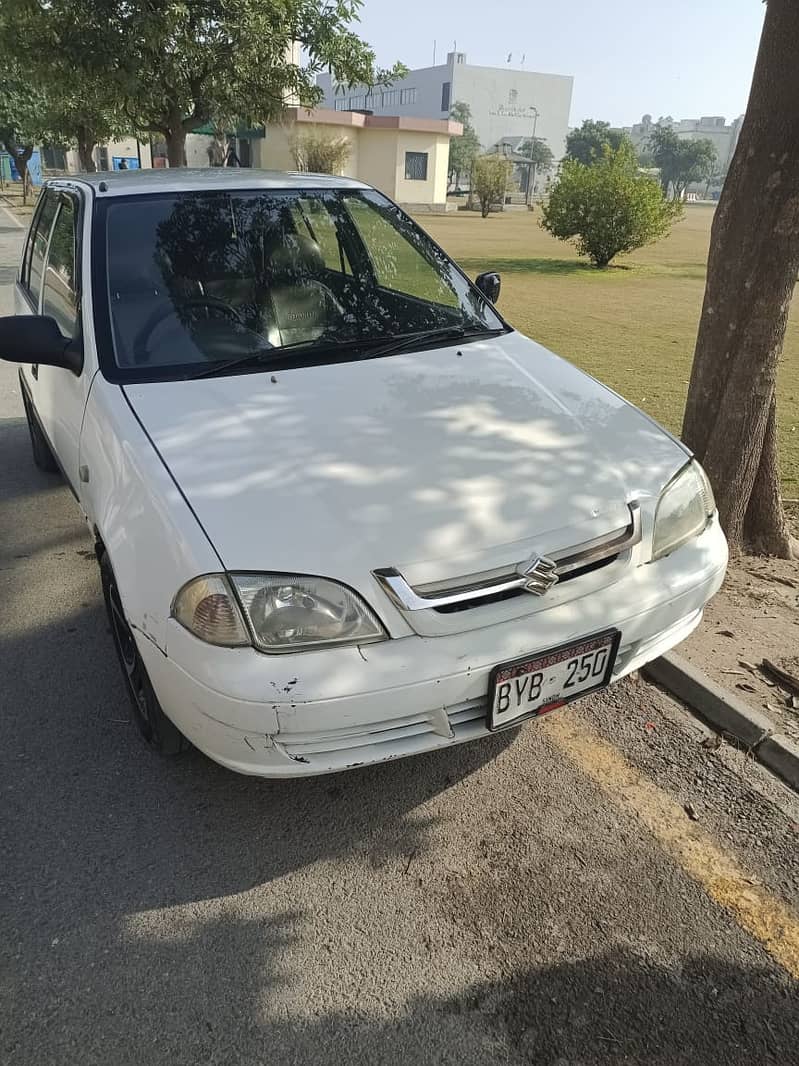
x=424, y=598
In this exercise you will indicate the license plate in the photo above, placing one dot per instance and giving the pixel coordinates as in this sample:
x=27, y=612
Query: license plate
x=539, y=683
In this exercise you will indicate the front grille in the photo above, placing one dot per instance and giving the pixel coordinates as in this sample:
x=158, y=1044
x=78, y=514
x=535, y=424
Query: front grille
x=512, y=594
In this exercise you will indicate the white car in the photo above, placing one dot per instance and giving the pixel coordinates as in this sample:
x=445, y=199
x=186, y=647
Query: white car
x=343, y=511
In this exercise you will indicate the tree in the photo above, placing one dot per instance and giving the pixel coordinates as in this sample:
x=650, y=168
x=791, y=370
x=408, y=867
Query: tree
x=730, y=414
x=73, y=105
x=680, y=162
x=491, y=176
x=699, y=159
x=22, y=120
x=173, y=66
x=538, y=152
x=319, y=153
x=607, y=208
x=586, y=144
x=465, y=149
x=77, y=116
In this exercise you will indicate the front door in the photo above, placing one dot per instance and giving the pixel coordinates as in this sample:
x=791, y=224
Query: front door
x=50, y=285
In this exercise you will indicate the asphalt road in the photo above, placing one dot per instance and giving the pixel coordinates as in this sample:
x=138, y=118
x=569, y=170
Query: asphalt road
x=542, y=897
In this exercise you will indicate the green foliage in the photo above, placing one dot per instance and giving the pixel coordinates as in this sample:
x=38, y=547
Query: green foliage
x=587, y=144
x=172, y=66
x=21, y=111
x=608, y=208
x=23, y=119
x=541, y=153
x=465, y=149
x=491, y=179
x=73, y=105
x=319, y=153
x=681, y=162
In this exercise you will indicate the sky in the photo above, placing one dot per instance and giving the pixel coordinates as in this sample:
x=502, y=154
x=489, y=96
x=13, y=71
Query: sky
x=683, y=58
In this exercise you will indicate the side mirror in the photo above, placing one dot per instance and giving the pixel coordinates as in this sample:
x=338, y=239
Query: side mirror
x=37, y=339
x=489, y=285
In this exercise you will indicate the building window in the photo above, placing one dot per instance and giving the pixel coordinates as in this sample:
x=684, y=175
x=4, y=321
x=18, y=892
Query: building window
x=513, y=97
x=416, y=166
x=407, y=96
x=445, y=88
x=390, y=98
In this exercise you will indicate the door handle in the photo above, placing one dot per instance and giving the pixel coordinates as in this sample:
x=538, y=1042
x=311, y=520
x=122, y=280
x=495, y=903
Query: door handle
x=35, y=371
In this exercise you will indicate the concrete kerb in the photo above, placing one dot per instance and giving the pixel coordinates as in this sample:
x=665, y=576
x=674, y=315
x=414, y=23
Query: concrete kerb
x=727, y=713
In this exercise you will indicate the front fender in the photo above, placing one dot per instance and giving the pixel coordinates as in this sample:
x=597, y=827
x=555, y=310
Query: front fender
x=154, y=542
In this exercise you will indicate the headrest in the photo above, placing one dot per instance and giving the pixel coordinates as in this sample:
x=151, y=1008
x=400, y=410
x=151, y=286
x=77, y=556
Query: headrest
x=296, y=256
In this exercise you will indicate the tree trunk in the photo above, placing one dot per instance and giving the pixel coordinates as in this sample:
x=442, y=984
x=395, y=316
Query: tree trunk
x=764, y=513
x=86, y=142
x=754, y=258
x=176, y=146
x=21, y=160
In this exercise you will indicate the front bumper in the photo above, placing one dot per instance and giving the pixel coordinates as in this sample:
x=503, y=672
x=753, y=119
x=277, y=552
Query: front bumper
x=320, y=712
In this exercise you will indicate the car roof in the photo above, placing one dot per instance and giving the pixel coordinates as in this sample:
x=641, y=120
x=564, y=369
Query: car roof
x=200, y=179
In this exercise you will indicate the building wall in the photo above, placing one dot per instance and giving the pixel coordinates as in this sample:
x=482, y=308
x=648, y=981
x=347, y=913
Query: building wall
x=434, y=189
x=377, y=159
x=274, y=151
x=711, y=127
x=500, y=99
x=377, y=156
x=197, y=145
x=502, y=102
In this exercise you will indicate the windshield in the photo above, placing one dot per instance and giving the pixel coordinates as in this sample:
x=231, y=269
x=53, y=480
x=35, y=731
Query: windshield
x=198, y=279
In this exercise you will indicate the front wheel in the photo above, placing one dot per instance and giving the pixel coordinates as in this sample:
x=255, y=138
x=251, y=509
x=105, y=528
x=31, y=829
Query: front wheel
x=160, y=733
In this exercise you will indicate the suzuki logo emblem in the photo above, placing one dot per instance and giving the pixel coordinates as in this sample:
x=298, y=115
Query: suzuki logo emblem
x=540, y=574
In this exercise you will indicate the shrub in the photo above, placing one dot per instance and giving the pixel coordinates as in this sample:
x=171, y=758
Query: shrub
x=320, y=154
x=608, y=208
x=490, y=180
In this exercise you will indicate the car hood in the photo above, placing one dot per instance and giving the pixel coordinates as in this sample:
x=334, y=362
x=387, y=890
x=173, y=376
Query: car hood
x=441, y=462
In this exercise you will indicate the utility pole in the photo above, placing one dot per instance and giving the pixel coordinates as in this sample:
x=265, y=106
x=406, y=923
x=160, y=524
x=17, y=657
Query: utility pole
x=532, y=167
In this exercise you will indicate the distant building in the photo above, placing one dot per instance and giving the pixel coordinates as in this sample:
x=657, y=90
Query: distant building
x=406, y=158
x=503, y=100
x=712, y=127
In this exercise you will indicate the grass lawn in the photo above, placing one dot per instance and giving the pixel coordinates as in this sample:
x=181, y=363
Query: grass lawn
x=633, y=328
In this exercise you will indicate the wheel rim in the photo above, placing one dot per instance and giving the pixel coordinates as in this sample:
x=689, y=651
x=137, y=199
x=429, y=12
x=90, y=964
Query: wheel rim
x=128, y=653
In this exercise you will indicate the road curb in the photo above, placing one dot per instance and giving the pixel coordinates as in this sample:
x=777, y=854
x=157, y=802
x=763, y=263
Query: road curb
x=781, y=755
x=728, y=713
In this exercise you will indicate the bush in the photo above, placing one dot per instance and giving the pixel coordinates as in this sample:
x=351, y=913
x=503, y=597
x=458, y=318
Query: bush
x=490, y=180
x=320, y=154
x=608, y=208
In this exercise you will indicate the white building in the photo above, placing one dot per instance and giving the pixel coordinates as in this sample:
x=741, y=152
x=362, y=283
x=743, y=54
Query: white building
x=503, y=100
x=711, y=127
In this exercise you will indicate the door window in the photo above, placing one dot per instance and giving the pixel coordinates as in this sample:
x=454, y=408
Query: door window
x=397, y=263
x=40, y=237
x=59, y=295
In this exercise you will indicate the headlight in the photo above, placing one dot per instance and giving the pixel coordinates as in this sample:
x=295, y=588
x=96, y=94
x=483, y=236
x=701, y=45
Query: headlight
x=207, y=608
x=289, y=612
x=683, y=510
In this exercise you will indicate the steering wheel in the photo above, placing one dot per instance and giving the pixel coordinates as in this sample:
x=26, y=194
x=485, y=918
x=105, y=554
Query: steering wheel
x=140, y=351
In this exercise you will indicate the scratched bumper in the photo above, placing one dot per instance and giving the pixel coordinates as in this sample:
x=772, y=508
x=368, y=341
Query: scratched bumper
x=321, y=712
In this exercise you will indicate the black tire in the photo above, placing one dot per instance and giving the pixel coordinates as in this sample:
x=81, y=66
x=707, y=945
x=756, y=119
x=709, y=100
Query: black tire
x=42, y=456
x=160, y=733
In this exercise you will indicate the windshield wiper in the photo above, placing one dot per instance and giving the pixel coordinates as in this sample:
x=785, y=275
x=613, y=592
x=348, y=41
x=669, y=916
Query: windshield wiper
x=275, y=350
x=444, y=333
x=374, y=346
